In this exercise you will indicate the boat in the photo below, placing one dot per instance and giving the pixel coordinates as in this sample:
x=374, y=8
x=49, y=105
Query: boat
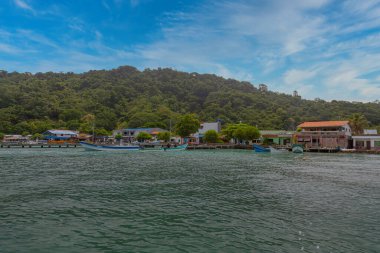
x=94, y=147
x=177, y=148
x=297, y=148
x=259, y=148
x=276, y=150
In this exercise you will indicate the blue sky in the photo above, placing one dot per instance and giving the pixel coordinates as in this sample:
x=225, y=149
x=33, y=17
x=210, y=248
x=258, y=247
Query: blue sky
x=322, y=48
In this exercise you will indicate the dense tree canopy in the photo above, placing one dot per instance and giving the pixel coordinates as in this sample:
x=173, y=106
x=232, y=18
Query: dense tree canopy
x=241, y=132
x=187, y=124
x=32, y=103
x=358, y=122
x=211, y=136
x=164, y=136
x=143, y=136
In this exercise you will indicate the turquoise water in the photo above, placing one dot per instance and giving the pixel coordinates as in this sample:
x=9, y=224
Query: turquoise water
x=69, y=200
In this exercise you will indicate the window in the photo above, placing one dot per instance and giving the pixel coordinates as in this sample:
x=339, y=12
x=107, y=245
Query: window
x=377, y=144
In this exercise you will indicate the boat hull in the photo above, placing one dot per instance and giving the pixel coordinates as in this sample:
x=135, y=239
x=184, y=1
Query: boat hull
x=178, y=148
x=274, y=150
x=260, y=149
x=297, y=149
x=94, y=147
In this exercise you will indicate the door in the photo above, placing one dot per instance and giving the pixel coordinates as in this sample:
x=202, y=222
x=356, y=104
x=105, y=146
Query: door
x=368, y=145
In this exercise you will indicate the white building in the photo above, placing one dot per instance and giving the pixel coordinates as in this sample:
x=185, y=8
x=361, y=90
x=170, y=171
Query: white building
x=370, y=140
x=198, y=136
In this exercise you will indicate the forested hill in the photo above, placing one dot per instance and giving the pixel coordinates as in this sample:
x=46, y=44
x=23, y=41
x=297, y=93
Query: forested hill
x=125, y=96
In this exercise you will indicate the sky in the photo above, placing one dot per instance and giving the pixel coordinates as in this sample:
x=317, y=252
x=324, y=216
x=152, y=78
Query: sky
x=324, y=49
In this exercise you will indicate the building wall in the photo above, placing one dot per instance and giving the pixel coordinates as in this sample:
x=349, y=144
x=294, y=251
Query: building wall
x=210, y=126
x=367, y=142
x=332, y=141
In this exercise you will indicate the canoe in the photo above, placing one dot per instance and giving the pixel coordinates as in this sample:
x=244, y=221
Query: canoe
x=94, y=147
x=259, y=148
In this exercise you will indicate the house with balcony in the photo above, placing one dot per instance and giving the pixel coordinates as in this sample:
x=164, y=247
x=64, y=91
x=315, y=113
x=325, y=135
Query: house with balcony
x=328, y=135
x=15, y=139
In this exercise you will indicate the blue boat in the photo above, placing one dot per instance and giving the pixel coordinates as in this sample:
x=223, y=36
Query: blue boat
x=259, y=148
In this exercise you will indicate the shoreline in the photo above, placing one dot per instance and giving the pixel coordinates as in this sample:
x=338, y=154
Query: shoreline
x=190, y=147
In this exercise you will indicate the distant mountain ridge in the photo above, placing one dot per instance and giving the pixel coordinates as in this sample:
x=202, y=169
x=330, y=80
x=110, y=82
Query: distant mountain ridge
x=128, y=97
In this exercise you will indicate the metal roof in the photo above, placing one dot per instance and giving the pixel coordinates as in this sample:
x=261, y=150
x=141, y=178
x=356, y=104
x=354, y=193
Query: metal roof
x=67, y=132
x=324, y=124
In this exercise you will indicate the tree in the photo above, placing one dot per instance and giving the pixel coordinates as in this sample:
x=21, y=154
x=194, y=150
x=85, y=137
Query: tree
x=118, y=137
x=101, y=132
x=211, y=136
x=186, y=125
x=241, y=132
x=358, y=122
x=139, y=119
x=1, y=136
x=37, y=136
x=88, y=124
x=164, y=136
x=143, y=136
x=251, y=133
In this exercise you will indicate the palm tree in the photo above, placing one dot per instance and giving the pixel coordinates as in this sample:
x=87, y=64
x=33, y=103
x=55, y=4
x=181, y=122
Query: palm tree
x=358, y=122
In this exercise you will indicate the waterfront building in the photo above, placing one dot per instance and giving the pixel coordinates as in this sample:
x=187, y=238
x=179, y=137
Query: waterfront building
x=369, y=140
x=324, y=135
x=277, y=137
x=59, y=135
x=204, y=127
x=130, y=134
x=15, y=138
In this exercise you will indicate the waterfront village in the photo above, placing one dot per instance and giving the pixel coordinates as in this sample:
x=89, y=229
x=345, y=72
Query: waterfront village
x=321, y=136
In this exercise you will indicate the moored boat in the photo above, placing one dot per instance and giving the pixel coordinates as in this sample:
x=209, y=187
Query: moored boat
x=297, y=148
x=259, y=148
x=94, y=147
x=276, y=150
x=175, y=148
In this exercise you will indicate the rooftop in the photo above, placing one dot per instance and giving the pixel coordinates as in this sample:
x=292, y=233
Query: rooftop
x=324, y=124
x=59, y=131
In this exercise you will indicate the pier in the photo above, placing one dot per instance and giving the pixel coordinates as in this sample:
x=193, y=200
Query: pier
x=46, y=145
x=219, y=146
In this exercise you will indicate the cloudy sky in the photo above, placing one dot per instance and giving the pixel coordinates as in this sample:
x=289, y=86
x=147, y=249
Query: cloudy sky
x=322, y=48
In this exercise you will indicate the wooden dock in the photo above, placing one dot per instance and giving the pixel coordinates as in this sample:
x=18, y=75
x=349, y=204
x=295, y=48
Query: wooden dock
x=219, y=146
x=71, y=145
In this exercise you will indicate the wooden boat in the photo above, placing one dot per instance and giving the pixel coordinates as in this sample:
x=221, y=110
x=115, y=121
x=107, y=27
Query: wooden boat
x=297, y=148
x=177, y=148
x=94, y=147
x=260, y=149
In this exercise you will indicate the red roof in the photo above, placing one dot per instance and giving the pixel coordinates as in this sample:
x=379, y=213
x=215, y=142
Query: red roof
x=324, y=124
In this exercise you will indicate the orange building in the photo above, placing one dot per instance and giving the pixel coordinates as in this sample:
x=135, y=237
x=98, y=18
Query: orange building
x=324, y=135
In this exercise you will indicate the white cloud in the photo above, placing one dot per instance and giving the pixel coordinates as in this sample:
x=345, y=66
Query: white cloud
x=36, y=37
x=296, y=76
x=8, y=49
x=23, y=5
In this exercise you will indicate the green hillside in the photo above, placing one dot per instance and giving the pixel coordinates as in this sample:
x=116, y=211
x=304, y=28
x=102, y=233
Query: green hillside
x=128, y=97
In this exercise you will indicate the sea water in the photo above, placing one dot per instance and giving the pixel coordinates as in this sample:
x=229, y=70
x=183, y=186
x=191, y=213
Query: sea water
x=71, y=200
